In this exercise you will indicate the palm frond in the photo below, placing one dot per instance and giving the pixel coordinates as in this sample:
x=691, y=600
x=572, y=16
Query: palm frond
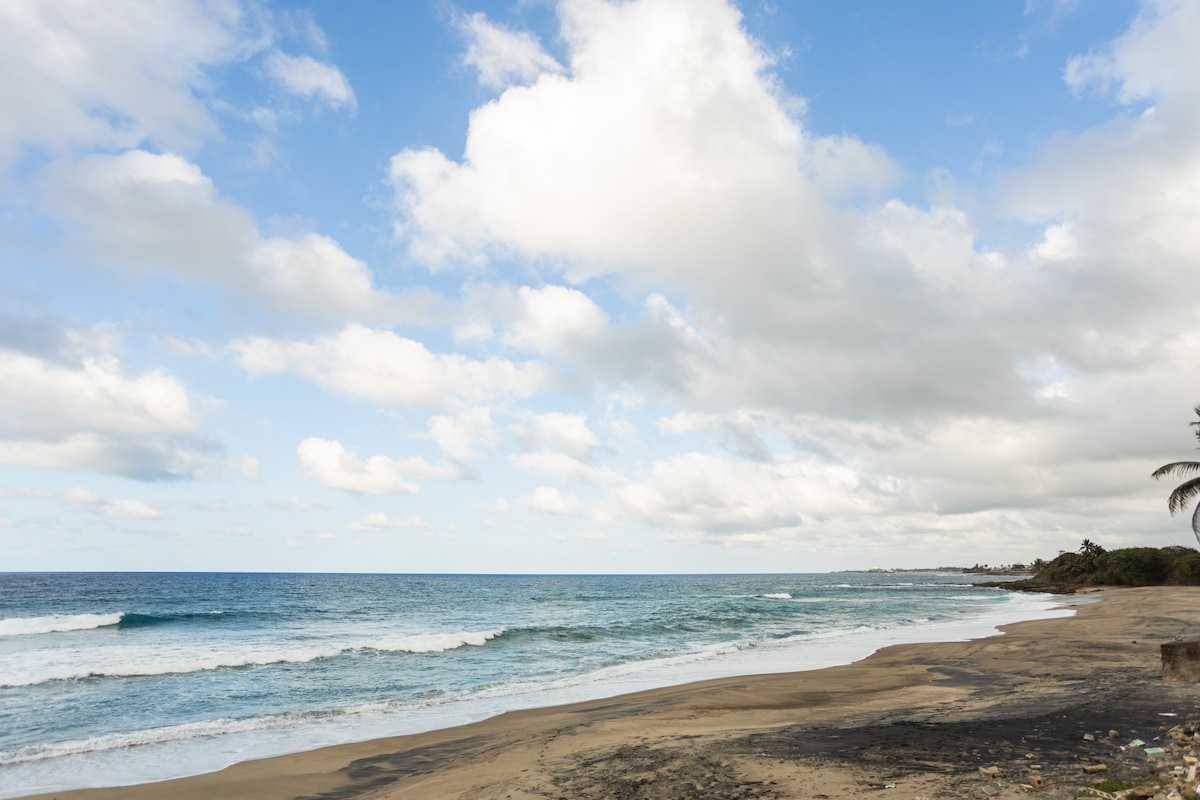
x=1177, y=468
x=1196, y=522
x=1183, y=495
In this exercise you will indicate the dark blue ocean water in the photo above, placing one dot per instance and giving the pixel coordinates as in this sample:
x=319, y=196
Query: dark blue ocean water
x=117, y=678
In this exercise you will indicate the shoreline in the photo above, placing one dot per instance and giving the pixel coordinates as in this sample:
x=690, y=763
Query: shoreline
x=162, y=756
x=756, y=736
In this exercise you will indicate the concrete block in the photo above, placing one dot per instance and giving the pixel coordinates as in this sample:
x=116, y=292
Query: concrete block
x=1181, y=661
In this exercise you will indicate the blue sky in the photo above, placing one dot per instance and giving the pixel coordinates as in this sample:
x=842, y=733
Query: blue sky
x=652, y=286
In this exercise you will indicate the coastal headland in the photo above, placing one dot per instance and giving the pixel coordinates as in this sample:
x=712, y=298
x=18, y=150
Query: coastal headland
x=1054, y=705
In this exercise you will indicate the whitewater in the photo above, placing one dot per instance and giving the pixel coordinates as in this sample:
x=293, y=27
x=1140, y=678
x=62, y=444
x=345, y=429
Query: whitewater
x=111, y=679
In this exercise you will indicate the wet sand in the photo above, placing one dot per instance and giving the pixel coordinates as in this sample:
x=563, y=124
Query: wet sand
x=910, y=721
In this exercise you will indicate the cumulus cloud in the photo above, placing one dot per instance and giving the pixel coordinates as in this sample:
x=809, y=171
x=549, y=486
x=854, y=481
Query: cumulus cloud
x=667, y=155
x=1143, y=63
x=1115, y=205
x=700, y=493
x=390, y=369
x=114, y=74
x=549, y=500
x=665, y=149
x=673, y=159
x=249, y=467
x=83, y=409
x=503, y=57
x=45, y=399
x=567, y=469
x=338, y=468
x=157, y=213
x=465, y=436
x=378, y=520
x=553, y=318
x=85, y=499
x=567, y=433
x=306, y=77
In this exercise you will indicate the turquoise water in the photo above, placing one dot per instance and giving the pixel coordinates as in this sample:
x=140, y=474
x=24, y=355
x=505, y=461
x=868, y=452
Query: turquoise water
x=109, y=679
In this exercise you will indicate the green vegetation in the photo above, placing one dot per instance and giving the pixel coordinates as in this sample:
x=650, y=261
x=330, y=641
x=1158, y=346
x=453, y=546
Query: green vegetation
x=1113, y=785
x=1187, y=491
x=1092, y=565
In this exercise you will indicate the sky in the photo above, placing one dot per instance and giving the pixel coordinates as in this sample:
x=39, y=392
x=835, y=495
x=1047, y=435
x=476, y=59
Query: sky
x=651, y=286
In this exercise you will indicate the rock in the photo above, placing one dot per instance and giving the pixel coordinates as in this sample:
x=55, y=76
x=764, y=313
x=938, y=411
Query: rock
x=1114, y=734
x=1087, y=737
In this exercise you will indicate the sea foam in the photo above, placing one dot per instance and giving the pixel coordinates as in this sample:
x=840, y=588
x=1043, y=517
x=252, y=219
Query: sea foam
x=61, y=664
x=57, y=623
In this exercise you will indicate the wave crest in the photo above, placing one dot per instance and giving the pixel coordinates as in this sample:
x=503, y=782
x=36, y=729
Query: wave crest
x=147, y=661
x=56, y=623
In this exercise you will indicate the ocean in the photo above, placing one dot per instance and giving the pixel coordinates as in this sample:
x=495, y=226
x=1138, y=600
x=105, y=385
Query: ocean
x=111, y=679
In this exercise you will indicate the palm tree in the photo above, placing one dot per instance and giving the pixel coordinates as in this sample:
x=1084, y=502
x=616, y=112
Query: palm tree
x=1189, y=490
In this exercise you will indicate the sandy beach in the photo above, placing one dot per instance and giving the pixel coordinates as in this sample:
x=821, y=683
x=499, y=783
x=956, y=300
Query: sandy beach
x=909, y=721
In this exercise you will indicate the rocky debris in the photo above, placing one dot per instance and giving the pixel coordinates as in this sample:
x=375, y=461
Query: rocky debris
x=1164, y=768
x=1040, y=750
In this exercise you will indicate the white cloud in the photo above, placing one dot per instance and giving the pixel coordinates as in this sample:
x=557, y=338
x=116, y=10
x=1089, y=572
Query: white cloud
x=568, y=433
x=390, y=369
x=83, y=410
x=250, y=468
x=1116, y=205
x=378, y=520
x=113, y=74
x=306, y=77
x=130, y=509
x=152, y=214
x=42, y=398
x=501, y=56
x=1057, y=245
x=466, y=435
x=567, y=469
x=80, y=497
x=85, y=499
x=549, y=500
x=1145, y=61
x=738, y=430
x=696, y=493
x=296, y=504
x=338, y=468
x=552, y=318
x=666, y=151
x=938, y=246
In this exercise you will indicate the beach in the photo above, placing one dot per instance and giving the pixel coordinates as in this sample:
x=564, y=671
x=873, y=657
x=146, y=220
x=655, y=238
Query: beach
x=914, y=720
